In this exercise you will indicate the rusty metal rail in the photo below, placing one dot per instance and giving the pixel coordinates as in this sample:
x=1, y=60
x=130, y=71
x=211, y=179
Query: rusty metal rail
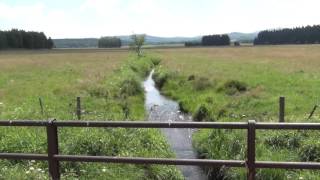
x=53, y=157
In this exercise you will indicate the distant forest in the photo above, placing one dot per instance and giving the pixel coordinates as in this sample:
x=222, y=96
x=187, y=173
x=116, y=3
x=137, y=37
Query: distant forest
x=300, y=35
x=20, y=39
x=211, y=40
x=109, y=42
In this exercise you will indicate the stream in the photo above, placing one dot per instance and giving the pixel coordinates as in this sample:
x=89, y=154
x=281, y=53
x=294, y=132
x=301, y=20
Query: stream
x=160, y=108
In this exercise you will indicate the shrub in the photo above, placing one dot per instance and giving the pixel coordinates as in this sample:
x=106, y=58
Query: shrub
x=201, y=83
x=233, y=86
x=182, y=106
x=222, y=112
x=160, y=77
x=141, y=66
x=209, y=100
x=310, y=151
x=191, y=77
x=130, y=87
x=220, y=144
x=201, y=113
x=289, y=140
x=155, y=60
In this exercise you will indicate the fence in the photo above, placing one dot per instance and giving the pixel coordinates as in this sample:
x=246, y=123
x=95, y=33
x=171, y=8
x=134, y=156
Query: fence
x=53, y=157
x=78, y=111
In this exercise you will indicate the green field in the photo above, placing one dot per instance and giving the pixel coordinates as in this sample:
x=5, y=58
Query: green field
x=213, y=84
x=242, y=83
x=109, y=84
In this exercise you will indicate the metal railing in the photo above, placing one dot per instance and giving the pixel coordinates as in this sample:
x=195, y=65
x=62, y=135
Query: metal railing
x=53, y=157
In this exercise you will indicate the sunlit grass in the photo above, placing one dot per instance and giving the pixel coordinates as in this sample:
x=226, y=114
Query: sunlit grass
x=108, y=82
x=242, y=83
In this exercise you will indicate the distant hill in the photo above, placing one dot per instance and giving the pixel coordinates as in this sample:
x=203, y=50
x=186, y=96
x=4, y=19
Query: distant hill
x=76, y=43
x=150, y=40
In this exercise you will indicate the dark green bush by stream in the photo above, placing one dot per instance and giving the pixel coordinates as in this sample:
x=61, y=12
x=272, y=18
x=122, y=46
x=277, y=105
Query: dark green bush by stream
x=232, y=87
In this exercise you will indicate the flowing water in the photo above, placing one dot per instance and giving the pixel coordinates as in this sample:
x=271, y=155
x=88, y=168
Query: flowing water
x=161, y=108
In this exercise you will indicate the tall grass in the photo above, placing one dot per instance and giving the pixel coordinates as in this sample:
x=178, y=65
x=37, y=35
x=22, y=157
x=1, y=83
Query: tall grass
x=238, y=84
x=110, y=88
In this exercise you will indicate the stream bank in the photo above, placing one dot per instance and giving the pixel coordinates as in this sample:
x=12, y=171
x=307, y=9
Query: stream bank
x=160, y=108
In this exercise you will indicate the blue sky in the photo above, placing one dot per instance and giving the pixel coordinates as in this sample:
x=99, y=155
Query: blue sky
x=95, y=18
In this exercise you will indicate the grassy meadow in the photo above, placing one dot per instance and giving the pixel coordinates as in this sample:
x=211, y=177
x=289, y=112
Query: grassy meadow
x=212, y=84
x=242, y=83
x=109, y=84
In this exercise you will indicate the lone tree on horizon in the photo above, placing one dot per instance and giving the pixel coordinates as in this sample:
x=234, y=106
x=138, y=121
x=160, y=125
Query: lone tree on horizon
x=137, y=43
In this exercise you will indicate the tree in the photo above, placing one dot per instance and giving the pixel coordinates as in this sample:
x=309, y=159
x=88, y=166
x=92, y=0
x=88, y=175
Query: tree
x=109, y=42
x=27, y=40
x=137, y=43
x=50, y=43
x=299, y=35
x=215, y=40
x=16, y=39
x=3, y=40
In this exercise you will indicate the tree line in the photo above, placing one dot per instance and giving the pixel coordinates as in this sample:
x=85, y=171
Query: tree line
x=20, y=39
x=299, y=35
x=211, y=40
x=109, y=42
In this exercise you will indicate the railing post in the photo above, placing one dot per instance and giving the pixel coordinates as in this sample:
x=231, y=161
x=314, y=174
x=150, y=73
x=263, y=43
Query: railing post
x=78, y=108
x=251, y=150
x=313, y=110
x=41, y=105
x=52, y=139
x=281, y=108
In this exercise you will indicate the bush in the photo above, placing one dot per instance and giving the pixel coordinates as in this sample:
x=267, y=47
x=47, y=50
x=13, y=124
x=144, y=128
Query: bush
x=160, y=77
x=220, y=144
x=182, y=107
x=201, y=83
x=191, y=78
x=201, y=113
x=233, y=86
x=289, y=140
x=141, y=66
x=310, y=151
x=155, y=60
x=130, y=87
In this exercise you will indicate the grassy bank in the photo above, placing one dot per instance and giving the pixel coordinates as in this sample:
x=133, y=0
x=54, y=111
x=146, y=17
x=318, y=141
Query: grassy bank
x=238, y=84
x=109, y=84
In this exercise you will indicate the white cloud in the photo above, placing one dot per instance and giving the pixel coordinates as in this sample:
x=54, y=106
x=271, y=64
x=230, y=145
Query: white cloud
x=94, y=18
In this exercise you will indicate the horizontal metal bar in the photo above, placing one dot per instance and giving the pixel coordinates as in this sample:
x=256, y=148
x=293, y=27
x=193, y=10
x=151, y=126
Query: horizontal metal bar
x=143, y=124
x=160, y=124
x=26, y=156
x=291, y=126
x=140, y=160
x=287, y=165
x=163, y=161
x=23, y=123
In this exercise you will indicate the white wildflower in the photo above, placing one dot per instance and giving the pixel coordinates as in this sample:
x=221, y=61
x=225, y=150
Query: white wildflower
x=31, y=168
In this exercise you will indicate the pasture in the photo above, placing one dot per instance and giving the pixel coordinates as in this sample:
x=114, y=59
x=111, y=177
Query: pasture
x=213, y=84
x=109, y=89
x=242, y=83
